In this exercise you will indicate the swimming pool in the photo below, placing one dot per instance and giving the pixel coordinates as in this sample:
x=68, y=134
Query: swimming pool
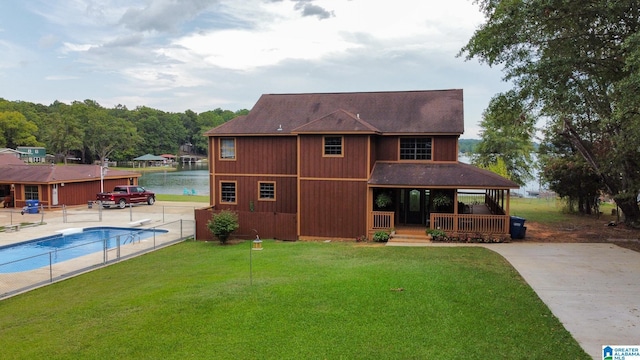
x=34, y=254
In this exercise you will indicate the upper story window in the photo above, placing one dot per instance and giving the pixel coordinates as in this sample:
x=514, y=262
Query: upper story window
x=333, y=146
x=415, y=148
x=227, y=149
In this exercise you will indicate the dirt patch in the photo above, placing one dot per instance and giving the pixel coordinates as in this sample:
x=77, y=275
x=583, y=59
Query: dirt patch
x=584, y=229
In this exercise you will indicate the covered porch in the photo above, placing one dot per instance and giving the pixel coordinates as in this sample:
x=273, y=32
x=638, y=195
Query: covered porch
x=456, y=198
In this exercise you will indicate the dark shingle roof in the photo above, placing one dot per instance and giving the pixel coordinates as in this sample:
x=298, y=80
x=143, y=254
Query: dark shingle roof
x=51, y=174
x=339, y=121
x=432, y=112
x=458, y=175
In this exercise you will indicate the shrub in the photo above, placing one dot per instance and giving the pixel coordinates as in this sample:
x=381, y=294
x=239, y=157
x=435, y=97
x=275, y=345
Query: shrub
x=437, y=234
x=223, y=224
x=381, y=236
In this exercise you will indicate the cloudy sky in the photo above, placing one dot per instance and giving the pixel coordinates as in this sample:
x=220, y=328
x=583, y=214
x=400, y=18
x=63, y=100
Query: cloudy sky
x=175, y=55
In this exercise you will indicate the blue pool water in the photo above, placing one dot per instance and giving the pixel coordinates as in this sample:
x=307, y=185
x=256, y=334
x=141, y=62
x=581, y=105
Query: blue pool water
x=37, y=253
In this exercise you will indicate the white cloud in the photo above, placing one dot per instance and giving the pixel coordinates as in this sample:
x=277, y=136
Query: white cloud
x=203, y=54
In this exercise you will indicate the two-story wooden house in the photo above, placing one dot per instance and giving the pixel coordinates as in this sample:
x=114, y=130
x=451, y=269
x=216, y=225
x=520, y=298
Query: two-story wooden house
x=344, y=165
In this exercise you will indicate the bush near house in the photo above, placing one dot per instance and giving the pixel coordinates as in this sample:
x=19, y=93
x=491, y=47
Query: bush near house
x=223, y=224
x=381, y=236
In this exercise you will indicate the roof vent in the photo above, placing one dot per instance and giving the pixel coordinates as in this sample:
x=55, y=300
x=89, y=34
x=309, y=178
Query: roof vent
x=280, y=127
x=358, y=116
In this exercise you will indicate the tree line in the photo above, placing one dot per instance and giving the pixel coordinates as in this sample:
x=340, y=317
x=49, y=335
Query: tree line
x=575, y=67
x=90, y=132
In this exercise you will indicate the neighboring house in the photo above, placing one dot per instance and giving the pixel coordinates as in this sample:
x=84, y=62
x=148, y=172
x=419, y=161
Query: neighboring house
x=344, y=165
x=57, y=185
x=14, y=153
x=32, y=154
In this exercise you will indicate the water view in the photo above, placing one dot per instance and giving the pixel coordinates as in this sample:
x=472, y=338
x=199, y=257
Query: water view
x=193, y=180
x=530, y=189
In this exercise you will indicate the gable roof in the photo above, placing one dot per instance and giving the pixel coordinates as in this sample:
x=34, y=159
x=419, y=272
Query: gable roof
x=149, y=157
x=339, y=121
x=459, y=175
x=393, y=112
x=23, y=173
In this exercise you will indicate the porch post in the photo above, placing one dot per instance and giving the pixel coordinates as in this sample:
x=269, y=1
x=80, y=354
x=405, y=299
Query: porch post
x=455, y=211
x=369, y=210
x=507, y=211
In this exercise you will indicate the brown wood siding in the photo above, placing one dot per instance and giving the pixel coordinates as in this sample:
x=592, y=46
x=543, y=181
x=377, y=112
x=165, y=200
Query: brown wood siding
x=333, y=209
x=247, y=194
x=373, y=145
x=267, y=225
x=258, y=155
x=386, y=148
x=352, y=164
x=445, y=148
x=71, y=194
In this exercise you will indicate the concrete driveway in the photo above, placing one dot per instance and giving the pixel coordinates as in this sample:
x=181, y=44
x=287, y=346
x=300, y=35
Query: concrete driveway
x=594, y=289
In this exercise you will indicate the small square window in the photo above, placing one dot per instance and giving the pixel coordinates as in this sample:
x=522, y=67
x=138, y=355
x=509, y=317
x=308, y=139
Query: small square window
x=228, y=192
x=267, y=191
x=228, y=148
x=333, y=145
x=31, y=192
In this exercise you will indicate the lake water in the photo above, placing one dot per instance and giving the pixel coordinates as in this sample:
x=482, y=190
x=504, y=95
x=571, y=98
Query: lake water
x=530, y=186
x=195, y=178
x=192, y=179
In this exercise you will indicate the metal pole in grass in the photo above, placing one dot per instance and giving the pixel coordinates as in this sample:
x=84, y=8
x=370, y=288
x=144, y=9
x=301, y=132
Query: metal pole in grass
x=253, y=245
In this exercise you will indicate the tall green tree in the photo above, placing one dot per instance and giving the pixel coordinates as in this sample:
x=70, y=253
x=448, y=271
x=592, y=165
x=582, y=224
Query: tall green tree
x=107, y=136
x=64, y=132
x=16, y=130
x=507, y=132
x=572, y=60
x=567, y=173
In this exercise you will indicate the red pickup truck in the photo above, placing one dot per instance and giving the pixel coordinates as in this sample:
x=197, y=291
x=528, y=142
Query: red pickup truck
x=123, y=195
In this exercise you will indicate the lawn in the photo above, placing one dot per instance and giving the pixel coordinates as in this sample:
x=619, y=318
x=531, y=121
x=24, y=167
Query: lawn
x=309, y=300
x=548, y=210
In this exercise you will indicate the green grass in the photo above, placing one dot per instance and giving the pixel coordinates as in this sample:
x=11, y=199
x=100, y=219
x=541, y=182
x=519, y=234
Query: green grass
x=189, y=198
x=308, y=300
x=548, y=211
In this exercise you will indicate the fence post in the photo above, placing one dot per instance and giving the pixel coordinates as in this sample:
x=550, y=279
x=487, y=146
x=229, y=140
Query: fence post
x=50, y=268
x=118, y=247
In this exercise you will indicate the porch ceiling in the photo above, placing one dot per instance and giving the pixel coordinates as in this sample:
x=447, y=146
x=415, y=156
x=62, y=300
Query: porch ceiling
x=454, y=175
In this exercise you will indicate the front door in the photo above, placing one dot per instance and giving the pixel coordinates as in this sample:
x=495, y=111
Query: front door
x=54, y=195
x=413, y=206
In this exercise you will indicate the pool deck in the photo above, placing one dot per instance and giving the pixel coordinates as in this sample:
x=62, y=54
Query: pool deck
x=81, y=217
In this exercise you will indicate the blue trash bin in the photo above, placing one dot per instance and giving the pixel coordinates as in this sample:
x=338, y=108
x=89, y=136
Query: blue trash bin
x=32, y=206
x=517, y=229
